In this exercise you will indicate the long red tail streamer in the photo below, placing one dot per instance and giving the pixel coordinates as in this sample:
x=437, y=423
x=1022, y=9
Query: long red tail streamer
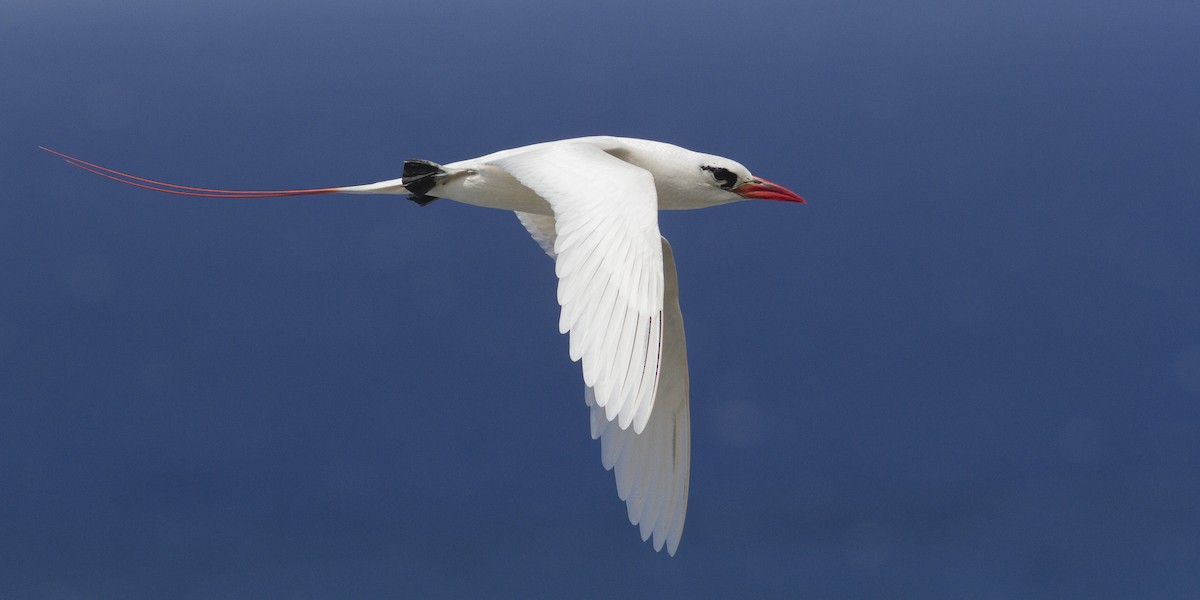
x=181, y=190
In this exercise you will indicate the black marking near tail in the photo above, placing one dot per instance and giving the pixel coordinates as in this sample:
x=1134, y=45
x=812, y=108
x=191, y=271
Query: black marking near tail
x=419, y=177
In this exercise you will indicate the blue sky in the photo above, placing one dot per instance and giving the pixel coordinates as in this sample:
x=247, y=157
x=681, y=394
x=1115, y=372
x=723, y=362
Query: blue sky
x=969, y=367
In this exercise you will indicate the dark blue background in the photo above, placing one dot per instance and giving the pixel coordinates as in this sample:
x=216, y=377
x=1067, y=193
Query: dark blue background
x=969, y=367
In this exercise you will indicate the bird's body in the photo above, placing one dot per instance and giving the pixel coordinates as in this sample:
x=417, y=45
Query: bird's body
x=591, y=203
x=481, y=182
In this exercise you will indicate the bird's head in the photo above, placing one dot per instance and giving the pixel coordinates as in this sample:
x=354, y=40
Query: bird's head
x=733, y=178
x=715, y=180
x=685, y=179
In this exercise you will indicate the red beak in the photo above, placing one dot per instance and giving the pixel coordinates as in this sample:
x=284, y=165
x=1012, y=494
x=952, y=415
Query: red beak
x=765, y=190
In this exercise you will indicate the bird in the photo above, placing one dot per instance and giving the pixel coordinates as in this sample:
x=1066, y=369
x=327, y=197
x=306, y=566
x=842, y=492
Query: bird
x=592, y=205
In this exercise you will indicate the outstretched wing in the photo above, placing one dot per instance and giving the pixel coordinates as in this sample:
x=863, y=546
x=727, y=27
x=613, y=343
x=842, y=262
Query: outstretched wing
x=609, y=263
x=652, y=467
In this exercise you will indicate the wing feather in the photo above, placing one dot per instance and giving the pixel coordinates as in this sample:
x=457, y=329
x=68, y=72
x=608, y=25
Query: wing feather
x=628, y=353
x=606, y=245
x=652, y=468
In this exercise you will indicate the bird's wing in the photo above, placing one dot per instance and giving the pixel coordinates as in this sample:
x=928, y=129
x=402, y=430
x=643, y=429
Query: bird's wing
x=609, y=263
x=652, y=467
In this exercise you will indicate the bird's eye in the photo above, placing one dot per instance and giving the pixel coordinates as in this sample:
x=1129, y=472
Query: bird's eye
x=726, y=178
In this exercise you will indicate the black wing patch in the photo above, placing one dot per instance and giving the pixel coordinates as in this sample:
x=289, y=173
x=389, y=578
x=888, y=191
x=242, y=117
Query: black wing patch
x=419, y=177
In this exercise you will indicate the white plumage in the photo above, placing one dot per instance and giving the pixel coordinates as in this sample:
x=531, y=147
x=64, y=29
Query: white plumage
x=592, y=204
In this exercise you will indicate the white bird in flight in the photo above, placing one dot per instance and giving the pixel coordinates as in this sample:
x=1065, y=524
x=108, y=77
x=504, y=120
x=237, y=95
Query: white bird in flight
x=592, y=204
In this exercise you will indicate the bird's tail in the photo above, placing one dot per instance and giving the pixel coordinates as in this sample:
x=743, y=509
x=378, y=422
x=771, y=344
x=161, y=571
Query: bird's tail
x=422, y=177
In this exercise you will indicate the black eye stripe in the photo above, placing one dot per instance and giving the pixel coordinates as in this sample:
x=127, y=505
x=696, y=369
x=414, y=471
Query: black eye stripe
x=727, y=178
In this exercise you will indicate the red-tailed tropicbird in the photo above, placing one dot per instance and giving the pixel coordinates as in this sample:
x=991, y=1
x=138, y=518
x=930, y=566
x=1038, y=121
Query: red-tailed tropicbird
x=592, y=204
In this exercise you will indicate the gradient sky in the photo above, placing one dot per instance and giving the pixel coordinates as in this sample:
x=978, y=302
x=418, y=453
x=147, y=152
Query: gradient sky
x=969, y=367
